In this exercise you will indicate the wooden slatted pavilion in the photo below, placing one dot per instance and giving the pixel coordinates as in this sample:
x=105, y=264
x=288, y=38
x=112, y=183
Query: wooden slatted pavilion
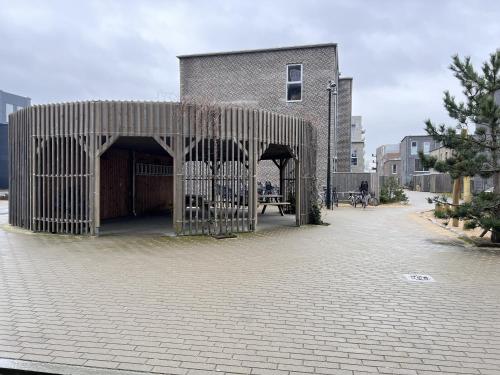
x=56, y=149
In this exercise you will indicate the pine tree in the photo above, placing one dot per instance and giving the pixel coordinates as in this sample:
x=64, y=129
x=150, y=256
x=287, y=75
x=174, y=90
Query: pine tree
x=474, y=153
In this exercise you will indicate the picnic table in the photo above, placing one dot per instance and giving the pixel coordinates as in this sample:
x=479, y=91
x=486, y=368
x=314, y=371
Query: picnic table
x=272, y=200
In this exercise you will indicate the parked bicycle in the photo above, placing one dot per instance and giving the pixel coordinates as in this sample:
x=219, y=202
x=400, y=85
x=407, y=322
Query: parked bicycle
x=322, y=197
x=364, y=199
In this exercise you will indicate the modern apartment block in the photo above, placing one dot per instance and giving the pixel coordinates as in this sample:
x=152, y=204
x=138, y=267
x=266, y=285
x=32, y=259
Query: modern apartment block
x=410, y=161
x=9, y=103
x=289, y=80
x=389, y=161
x=357, y=145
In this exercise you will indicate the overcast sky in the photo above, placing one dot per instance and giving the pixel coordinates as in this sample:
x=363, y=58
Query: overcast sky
x=397, y=51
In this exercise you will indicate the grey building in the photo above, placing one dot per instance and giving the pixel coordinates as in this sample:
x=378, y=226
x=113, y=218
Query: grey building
x=410, y=161
x=389, y=161
x=9, y=103
x=289, y=80
x=357, y=145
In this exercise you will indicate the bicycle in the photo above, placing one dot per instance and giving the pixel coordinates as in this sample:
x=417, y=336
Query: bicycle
x=322, y=198
x=372, y=200
x=354, y=199
x=362, y=198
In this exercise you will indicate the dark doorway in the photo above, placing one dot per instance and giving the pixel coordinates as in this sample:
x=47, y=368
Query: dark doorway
x=276, y=187
x=136, y=187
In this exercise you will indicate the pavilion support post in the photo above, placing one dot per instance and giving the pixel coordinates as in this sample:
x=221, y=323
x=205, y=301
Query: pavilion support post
x=97, y=194
x=179, y=200
x=298, y=193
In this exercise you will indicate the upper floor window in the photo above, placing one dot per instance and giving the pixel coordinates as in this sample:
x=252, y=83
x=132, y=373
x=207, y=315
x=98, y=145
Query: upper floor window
x=294, y=83
x=427, y=147
x=394, y=169
x=9, y=108
x=414, y=149
x=354, y=158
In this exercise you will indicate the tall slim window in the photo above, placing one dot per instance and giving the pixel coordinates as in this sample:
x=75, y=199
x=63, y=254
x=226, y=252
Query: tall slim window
x=354, y=158
x=294, y=83
x=394, y=169
x=427, y=147
x=9, y=108
x=414, y=149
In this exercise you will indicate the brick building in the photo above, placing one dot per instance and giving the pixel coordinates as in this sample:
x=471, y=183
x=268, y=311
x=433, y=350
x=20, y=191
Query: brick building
x=357, y=145
x=289, y=80
x=389, y=161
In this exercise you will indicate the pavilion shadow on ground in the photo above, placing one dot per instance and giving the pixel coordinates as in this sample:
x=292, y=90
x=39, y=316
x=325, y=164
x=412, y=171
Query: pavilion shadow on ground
x=272, y=219
x=158, y=224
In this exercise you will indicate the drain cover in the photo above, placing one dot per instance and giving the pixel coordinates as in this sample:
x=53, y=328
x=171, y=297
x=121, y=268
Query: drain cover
x=419, y=278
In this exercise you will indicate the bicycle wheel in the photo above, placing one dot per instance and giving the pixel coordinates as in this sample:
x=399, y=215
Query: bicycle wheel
x=320, y=201
x=373, y=201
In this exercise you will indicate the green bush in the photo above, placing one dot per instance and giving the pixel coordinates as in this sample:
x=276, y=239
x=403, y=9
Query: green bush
x=315, y=214
x=392, y=192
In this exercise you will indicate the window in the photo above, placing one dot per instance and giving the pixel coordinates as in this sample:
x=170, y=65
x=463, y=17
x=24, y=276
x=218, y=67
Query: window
x=9, y=108
x=414, y=150
x=294, y=83
x=354, y=158
x=394, y=169
x=419, y=167
x=427, y=147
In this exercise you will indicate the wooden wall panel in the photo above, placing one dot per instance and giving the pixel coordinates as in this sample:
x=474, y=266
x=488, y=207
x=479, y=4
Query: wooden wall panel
x=115, y=195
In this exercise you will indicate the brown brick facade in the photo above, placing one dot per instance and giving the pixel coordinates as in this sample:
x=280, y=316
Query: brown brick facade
x=257, y=79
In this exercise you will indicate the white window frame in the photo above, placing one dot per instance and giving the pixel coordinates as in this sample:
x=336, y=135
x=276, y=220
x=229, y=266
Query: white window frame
x=414, y=150
x=394, y=169
x=287, y=82
x=427, y=148
x=354, y=156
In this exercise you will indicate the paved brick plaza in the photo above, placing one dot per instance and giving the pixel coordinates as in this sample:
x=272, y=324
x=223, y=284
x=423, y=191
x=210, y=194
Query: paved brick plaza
x=327, y=300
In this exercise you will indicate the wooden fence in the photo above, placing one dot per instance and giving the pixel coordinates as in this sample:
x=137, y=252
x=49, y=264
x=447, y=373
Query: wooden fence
x=433, y=183
x=345, y=182
x=55, y=162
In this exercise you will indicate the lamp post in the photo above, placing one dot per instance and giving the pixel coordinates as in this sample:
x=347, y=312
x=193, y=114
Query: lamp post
x=332, y=89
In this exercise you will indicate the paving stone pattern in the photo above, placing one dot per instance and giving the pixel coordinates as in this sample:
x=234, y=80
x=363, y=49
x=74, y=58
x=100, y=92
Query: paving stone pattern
x=322, y=300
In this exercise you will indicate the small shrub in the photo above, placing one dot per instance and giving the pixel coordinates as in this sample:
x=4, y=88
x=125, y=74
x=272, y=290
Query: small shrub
x=315, y=214
x=392, y=192
x=442, y=213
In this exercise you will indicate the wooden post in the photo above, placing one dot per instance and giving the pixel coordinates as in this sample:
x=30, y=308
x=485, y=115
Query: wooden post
x=298, y=193
x=467, y=192
x=97, y=194
x=456, y=197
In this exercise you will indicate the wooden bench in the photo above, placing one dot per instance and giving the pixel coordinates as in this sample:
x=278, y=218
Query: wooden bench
x=277, y=204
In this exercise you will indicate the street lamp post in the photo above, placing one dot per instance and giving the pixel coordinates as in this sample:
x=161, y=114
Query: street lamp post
x=331, y=87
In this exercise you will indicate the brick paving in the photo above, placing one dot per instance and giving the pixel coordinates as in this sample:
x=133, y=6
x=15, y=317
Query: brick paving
x=321, y=300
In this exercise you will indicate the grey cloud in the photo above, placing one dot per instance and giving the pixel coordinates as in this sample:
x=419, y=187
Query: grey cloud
x=397, y=51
